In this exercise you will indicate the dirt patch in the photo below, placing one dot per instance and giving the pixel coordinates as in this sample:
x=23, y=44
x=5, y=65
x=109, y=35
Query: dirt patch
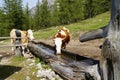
x=90, y=49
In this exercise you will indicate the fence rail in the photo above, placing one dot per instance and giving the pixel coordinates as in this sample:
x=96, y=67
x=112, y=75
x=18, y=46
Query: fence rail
x=11, y=45
x=10, y=38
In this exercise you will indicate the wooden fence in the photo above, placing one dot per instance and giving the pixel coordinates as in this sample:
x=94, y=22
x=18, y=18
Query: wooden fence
x=10, y=45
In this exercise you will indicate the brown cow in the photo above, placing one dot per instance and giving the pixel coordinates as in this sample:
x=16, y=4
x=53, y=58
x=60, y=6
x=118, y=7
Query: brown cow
x=61, y=39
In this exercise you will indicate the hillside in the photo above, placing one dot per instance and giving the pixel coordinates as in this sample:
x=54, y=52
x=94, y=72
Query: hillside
x=75, y=28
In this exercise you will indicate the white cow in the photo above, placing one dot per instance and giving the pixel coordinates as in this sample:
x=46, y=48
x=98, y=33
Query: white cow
x=26, y=36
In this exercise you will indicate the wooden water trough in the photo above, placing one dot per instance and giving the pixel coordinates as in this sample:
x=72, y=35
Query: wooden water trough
x=69, y=66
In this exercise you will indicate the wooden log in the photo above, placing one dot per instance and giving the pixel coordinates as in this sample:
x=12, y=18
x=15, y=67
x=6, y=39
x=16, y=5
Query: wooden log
x=70, y=70
x=53, y=61
x=95, y=34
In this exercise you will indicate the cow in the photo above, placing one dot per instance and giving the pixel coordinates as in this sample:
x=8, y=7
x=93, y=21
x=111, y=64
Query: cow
x=61, y=39
x=19, y=37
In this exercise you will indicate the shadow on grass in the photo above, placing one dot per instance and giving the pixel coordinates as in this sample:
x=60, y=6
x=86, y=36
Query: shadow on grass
x=6, y=71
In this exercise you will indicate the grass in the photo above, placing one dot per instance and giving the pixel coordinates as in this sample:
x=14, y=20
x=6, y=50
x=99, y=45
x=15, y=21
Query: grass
x=18, y=59
x=45, y=33
x=19, y=68
x=85, y=25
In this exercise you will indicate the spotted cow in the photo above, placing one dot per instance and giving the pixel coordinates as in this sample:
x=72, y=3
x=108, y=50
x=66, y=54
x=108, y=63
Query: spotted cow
x=61, y=39
x=19, y=37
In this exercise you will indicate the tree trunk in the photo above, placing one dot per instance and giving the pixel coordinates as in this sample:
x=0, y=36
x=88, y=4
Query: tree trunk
x=110, y=60
x=110, y=55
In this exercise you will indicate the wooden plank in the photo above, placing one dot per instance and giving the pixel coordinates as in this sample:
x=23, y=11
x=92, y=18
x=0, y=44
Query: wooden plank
x=11, y=45
x=10, y=38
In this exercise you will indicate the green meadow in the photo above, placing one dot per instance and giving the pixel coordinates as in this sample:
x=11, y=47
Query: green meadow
x=96, y=22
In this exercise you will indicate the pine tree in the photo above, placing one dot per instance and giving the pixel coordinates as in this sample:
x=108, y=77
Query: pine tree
x=14, y=12
x=76, y=10
x=55, y=14
x=64, y=12
x=97, y=9
x=45, y=15
x=94, y=7
x=26, y=18
x=68, y=11
x=3, y=25
x=88, y=9
x=37, y=16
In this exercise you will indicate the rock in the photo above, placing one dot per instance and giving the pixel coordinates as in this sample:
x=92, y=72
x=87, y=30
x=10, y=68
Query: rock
x=27, y=78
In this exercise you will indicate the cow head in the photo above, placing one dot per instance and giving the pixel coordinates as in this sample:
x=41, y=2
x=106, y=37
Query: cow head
x=30, y=35
x=58, y=44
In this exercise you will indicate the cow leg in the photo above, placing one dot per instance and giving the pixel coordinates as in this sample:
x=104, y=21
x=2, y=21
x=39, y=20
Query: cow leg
x=63, y=45
x=13, y=43
x=26, y=50
x=26, y=53
x=23, y=50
